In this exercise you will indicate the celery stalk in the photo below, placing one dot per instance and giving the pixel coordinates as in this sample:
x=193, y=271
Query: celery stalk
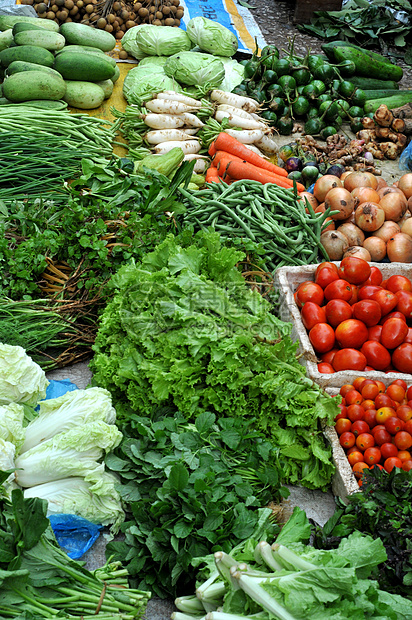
x=189, y=604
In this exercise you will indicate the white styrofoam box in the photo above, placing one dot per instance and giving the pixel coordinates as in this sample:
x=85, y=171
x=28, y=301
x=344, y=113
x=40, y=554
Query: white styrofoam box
x=287, y=279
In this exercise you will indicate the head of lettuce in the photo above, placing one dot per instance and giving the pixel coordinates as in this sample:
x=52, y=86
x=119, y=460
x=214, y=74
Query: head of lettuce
x=195, y=69
x=211, y=36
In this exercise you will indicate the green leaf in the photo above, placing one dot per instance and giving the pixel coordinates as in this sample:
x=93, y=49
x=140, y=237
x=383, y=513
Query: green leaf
x=205, y=421
x=178, y=477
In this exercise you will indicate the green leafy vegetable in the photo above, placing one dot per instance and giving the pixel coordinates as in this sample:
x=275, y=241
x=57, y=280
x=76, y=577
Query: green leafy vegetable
x=195, y=69
x=212, y=37
x=21, y=379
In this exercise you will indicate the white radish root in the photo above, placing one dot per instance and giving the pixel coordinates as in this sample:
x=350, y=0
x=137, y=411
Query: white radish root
x=190, y=130
x=255, y=149
x=267, y=144
x=162, y=121
x=238, y=121
x=173, y=96
x=246, y=136
x=223, y=107
x=191, y=120
x=201, y=162
x=165, y=106
x=237, y=101
x=187, y=146
x=166, y=135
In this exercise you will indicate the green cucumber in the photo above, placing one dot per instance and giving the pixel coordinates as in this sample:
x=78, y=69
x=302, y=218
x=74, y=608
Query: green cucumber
x=19, y=65
x=116, y=75
x=51, y=41
x=381, y=93
x=368, y=65
x=28, y=85
x=84, y=67
x=20, y=26
x=6, y=39
x=8, y=21
x=107, y=86
x=82, y=34
x=396, y=101
x=83, y=95
x=373, y=84
x=67, y=49
x=28, y=53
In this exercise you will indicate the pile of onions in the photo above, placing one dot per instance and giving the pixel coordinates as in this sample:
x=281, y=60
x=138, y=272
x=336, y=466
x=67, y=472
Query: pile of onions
x=399, y=248
x=335, y=244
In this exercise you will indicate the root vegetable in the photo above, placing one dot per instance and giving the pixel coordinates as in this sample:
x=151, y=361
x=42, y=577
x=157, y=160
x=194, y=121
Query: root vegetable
x=166, y=135
x=358, y=251
x=172, y=96
x=405, y=184
x=383, y=116
x=166, y=106
x=360, y=179
x=187, y=146
x=394, y=204
x=162, y=121
x=369, y=216
x=237, y=101
x=399, y=248
x=255, y=149
x=246, y=136
x=223, y=107
x=324, y=184
x=238, y=121
x=364, y=194
x=354, y=234
x=191, y=120
x=339, y=199
x=376, y=248
x=335, y=244
x=390, y=149
x=267, y=144
x=387, y=230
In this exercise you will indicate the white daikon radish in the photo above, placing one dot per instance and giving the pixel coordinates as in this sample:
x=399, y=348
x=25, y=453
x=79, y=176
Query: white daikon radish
x=162, y=121
x=166, y=135
x=190, y=130
x=201, y=162
x=223, y=107
x=237, y=101
x=165, y=106
x=245, y=136
x=187, y=146
x=191, y=120
x=172, y=96
x=238, y=121
x=267, y=144
x=255, y=149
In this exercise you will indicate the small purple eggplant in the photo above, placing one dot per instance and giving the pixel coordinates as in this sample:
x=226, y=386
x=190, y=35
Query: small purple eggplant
x=293, y=163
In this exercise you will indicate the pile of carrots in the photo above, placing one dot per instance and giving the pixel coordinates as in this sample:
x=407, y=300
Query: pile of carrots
x=233, y=161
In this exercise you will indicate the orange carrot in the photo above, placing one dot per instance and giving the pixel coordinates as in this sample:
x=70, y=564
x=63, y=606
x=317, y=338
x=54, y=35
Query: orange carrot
x=212, y=175
x=231, y=145
x=212, y=149
x=223, y=155
x=244, y=170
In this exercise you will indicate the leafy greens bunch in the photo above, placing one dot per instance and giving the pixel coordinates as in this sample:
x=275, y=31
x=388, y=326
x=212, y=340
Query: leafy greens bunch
x=38, y=580
x=184, y=330
x=382, y=508
x=191, y=489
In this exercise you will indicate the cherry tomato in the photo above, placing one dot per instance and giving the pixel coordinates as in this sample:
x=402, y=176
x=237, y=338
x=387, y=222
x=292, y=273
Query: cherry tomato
x=406, y=465
x=355, y=412
x=347, y=440
x=354, y=270
x=393, y=425
x=368, y=311
x=343, y=425
x=392, y=462
x=364, y=441
x=372, y=456
x=408, y=427
x=375, y=278
x=322, y=337
x=309, y=291
x=339, y=289
x=355, y=457
x=396, y=392
x=393, y=333
x=358, y=469
x=409, y=393
x=374, y=333
x=376, y=355
x=404, y=455
x=403, y=440
x=348, y=387
x=368, y=404
x=349, y=359
x=398, y=283
x=369, y=391
x=325, y=368
x=358, y=383
x=325, y=277
x=366, y=292
x=370, y=417
x=388, y=450
x=351, y=334
x=382, y=436
x=311, y=314
x=391, y=315
x=404, y=413
x=358, y=427
x=337, y=311
x=353, y=397
x=402, y=358
x=381, y=386
x=386, y=300
x=326, y=265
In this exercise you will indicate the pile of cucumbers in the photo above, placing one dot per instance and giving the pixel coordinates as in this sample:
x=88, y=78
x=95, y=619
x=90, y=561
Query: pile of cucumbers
x=320, y=91
x=65, y=65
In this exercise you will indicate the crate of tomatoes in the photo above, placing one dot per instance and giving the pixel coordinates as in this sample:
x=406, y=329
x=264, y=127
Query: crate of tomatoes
x=373, y=428
x=349, y=318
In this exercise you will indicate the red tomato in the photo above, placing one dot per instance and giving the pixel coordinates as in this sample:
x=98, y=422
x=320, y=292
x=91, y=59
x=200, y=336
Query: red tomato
x=391, y=315
x=325, y=369
x=337, y=311
x=408, y=337
x=392, y=462
x=311, y=314
x=409, y=393
x=348, y=387
x=375, y=278
x=404, y=304
x=322, y=337
x=396, y=392
x=355, y=412
x=377, y=428
x=369, y=391
x=326, y=265
x=368, y=311
x=384, y=413
x=355, y=457
x=343, y=425
x=388, y=450
x=402, y=358
x=404, y=455
x=402, y=440
x=358, y=469
x=364, y=441
x=339, y=289
x=349, y=359
x=347, y=440
x=376, y=354
x=354, y=270
x=383, y=400
x=386, y=300
x=328, y=357
x=358, y=383
x=406, y=465
x=358, y=427
x=370, y=417
x=368, y=404
x=398, y=283
x=374, y=333
x=382, y=436
x=351, y=334
x=393, y=425
x=408, y=427
x=343, y=412
x=372, y=456
x=309, y=291
x=381, y=386
x=366, y=292
x=325, y=277
x=393, y=333
x=354, y=299
x=353, y=397
x=404, y=413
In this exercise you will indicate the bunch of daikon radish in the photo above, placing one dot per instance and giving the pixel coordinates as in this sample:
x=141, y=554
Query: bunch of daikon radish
x=173, y=122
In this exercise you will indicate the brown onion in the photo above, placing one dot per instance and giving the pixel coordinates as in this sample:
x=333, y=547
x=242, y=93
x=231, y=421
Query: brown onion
x=369, y=216
x=324, y=184
x=310, y=198
x=389, y=189
x=358, y=252
x=350, y=219
x=399, y=248
x=344, y=175
x=405, y=184
x=330, y=226
x=381, y=183
x=376, y=248
x=406, y=227
x=364, y=194
x=406, y=216
x=320, y=208
x=387, y=230
x=339, y=199
x=394, y=204
x=360, y=179
x=354, y=234
x=335, y=244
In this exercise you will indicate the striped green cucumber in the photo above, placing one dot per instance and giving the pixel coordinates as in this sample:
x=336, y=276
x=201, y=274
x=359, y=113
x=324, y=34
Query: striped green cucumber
x=84, y=67
x=6, y=38
x=19, y=65
x=381, y=93
x=20, y=26
x=28, y=53
x=8, y=21
x=367, y=65
x=396, y=101
x=96, y=52
x=372, y=83
x=51, y=41
x=28, y=85
x=82, y=34
x=83, y=95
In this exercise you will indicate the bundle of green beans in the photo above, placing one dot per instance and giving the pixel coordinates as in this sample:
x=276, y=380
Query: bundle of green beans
x=267, y=214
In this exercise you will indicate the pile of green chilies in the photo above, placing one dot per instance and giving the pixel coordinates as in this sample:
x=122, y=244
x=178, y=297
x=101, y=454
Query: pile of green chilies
x=267, y=214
